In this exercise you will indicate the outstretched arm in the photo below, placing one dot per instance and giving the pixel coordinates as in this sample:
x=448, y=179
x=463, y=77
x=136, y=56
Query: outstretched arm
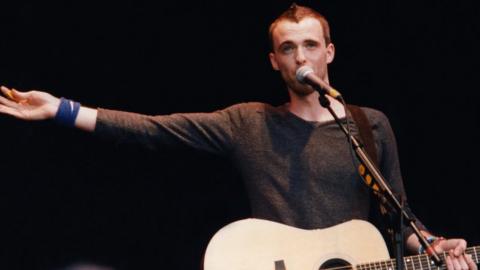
x=211, y=132
x=37, y=105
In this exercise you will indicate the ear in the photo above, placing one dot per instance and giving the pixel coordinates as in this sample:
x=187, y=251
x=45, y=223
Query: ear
x=273, y=61
x=330, y=53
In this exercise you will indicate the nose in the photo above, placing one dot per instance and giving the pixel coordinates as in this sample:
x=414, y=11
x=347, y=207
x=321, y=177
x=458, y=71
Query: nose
x=300, y=56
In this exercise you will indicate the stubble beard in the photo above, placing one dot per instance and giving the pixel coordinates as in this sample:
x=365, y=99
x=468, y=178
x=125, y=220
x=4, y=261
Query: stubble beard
x=299, y=89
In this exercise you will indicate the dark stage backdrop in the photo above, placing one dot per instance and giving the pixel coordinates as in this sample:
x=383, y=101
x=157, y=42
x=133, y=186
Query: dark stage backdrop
x=67, y=196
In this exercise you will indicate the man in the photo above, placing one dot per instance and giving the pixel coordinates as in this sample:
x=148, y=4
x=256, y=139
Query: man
x=295, y=161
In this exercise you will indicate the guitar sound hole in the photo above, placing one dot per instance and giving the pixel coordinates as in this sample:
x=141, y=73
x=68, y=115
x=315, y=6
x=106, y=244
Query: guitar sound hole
x=332, y=263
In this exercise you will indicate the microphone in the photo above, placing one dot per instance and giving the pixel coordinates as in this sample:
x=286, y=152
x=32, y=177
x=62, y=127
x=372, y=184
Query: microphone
x=306, y=75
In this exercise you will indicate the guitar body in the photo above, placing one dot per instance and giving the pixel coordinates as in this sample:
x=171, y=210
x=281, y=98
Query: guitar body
x=254, y=244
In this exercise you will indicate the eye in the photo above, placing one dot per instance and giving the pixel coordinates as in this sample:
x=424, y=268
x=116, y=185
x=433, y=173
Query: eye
x=287, y=48
x=311, y=44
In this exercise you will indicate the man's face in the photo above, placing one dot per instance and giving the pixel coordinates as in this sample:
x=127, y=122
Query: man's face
x=299, y=44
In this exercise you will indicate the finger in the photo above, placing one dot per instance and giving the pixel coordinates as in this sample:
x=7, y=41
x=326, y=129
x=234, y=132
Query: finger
x=462, y=262
x=15, y=95
x=470, y=262
x=10, y=111
x=20, y=96
x=7, y=92
x=448, y=261
x=8, y=103
x=460, y=248
x=455, y=262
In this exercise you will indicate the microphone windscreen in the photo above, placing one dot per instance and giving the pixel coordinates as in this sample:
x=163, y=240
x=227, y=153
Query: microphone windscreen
x=302, y=73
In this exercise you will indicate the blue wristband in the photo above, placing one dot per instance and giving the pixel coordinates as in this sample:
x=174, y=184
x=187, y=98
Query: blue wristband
x=430, y=240
x=67, y=112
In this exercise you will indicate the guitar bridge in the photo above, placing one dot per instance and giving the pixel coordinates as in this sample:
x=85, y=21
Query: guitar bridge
x=280, y=265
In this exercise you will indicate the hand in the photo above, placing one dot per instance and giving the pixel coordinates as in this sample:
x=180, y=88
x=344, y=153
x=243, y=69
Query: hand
x=32, y=105
x=456, y=259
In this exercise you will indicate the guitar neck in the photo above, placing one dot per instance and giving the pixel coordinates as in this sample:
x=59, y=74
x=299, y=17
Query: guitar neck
x=417, y=262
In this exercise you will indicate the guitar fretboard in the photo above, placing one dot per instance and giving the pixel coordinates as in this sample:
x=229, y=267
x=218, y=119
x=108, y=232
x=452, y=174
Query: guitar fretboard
x=417, y=262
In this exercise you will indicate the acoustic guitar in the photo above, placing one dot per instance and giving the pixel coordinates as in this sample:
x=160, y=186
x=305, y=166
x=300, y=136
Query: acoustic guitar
x=255, y=244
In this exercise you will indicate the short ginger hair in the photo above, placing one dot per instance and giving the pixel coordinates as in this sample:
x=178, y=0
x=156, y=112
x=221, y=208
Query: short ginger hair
x=296, y=13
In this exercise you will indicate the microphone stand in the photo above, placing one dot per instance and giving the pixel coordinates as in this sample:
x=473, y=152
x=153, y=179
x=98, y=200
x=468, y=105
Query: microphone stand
x=386, y=192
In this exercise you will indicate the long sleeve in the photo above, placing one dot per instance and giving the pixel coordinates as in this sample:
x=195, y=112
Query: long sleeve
x=210, y=132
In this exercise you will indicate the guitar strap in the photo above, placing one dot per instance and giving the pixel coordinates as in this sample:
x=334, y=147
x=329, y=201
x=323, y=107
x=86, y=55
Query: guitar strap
x=378, y=212
x=364, y=130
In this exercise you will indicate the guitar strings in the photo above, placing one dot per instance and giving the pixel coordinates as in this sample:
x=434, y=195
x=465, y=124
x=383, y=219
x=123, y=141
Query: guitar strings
x=422, y=261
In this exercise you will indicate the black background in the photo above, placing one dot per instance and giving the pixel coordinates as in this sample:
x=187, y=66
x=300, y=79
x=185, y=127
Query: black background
x=67, y=196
